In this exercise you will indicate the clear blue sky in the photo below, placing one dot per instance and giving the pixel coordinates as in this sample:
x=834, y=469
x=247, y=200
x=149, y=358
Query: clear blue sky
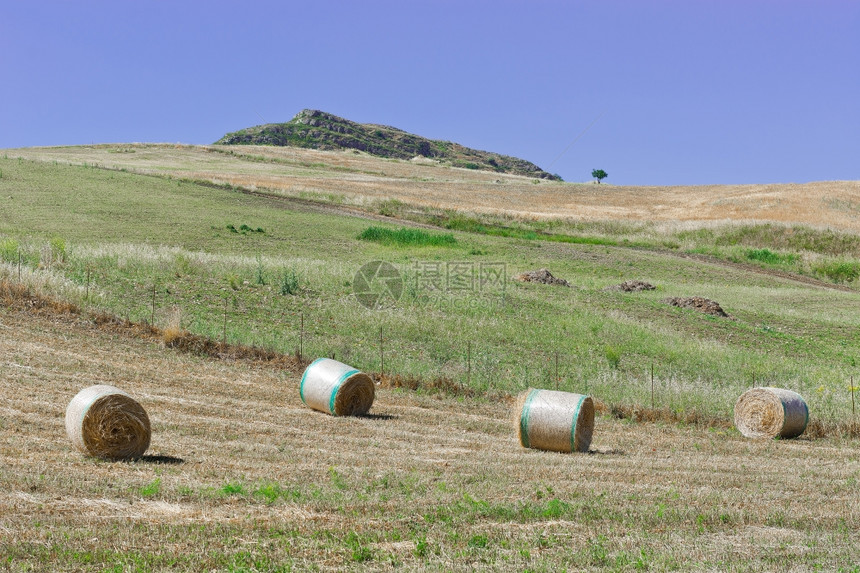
x=675, y=92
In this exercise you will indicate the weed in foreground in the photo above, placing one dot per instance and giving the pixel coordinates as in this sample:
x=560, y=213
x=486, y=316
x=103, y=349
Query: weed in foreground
x=9, y=249
x=260, y=275
x=289, y=282
x=233, y=488
x=360, y=552
x=58, y=249
x=151, y=489
x=613, y=356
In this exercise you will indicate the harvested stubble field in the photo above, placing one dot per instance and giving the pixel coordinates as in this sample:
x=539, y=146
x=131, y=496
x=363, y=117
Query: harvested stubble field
x=241, y=476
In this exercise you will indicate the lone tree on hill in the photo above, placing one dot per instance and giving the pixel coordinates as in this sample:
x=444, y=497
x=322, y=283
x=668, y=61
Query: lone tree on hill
x=599, y=174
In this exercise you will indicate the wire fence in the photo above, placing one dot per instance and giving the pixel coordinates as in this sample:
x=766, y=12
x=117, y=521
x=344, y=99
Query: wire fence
x=475, y=366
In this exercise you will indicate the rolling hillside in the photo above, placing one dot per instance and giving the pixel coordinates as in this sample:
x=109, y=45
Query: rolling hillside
x=344, y=177
x=264, y=247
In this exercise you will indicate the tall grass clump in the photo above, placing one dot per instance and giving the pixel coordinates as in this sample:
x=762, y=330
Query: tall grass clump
x=838, y=271
x=260, y=275
x=404, y=237
x=173, y=331
x=771, y=258
x=289, y=282
x=391, y=208
x=58, y=249
x=9, y=249
x=784, y=237
x=613, y=356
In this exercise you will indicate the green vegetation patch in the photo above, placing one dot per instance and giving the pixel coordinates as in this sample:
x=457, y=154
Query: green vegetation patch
x=244, y=229
x=404, y=237
x=771, y=258
x=838, y=271
x=9, y=249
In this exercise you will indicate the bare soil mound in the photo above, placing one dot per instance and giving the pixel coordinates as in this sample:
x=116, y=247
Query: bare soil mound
x=542, y=276
x=631, y=286
x=697, y=303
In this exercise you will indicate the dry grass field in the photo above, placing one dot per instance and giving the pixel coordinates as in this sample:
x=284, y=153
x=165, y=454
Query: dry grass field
x=361, y=179
x=241, y=476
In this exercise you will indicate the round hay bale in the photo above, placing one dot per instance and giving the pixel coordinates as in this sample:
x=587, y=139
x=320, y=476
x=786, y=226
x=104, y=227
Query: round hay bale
x=770, y=412
x=105, y=422
x=336, y=388
x=555, y=421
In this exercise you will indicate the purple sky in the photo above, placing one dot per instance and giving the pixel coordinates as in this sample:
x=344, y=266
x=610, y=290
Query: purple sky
x=676, y=92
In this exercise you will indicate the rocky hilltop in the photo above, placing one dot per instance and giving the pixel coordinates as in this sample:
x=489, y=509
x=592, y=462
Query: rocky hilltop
x=319, y=130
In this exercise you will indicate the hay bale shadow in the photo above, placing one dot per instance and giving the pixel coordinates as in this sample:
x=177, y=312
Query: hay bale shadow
x=159, y=459
x=606, y=452
x=382, y=417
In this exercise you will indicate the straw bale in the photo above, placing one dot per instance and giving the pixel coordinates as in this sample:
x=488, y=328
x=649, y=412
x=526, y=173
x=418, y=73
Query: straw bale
x=770, y=412
x=336, y=388
x=555, y=421
x=105, y=422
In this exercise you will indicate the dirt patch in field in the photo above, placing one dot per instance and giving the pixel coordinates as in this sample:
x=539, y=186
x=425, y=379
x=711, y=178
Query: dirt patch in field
x=697, y=303
x=631, y=286
x=542, y=276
